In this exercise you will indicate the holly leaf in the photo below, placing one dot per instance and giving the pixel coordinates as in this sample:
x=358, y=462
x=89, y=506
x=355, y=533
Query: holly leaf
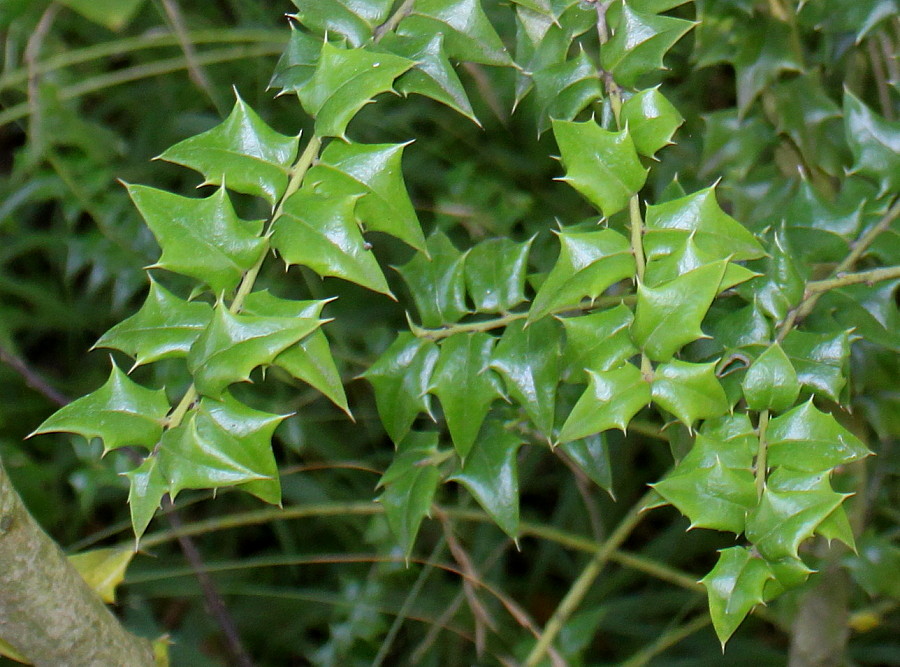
x=698, y=215
x=322, y=233
x=874, y=143
x=591, y=455
x=527, y=357
x=780, y=287
x=601, y=165
x=588, y=263
x=491, y=475
x=373, y=173
x=765, y=52
x=344, y=81
x=638, y=44
x=733, y=450
x=401, y=377
x=121, y=413
x=164, y=327
x=734, y=587
x=651, y=120
x=468, y=34
x=465, y=386
x=669, y=316
x=410, y=483
x=819, y=229
x=689, y=391
x=771, y=382
x=437, y=284
x=495, y=274
x=744, y=327
x=812, y=120
x=233, y=345
x=716, y=497
x=242, y=152
x=297, y=63
x=200, y=238
x=871, y=311
x=147, y=487
x=610, y=401
x=808, y=440
x=820, y=360
x=222, y=443
x=565, y=89
x=102, y=569
x=354, y=19
x=688, y=257
x=733, y=144
x=599, y=341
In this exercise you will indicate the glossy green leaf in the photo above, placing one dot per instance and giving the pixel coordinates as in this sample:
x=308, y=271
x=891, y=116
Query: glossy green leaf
x=821, y=230
x=781, y=286
x=465, y=386
x=322, y=233
x=771, y=382
x=870, y=310
x=591, y=455
x=401, y=377
x=565, y=89
x=698, y=215
x=687, y=257
x=588, y=263
x=233, y=345
x=808, y=440
x=602, y=165
x=438, y=284
x=716, y=497
x=734, y=587
x=820, y=360
x=345, y=80
x=669, y=316
x=495, y=274
x=147, y=487
x=764, y=53
x=527, y=357
x=733, y=144
x=876, y=565
x=297, y=64
x=242, y=152
x=164, y=327
x=874, y=142
x=410, y=483
x=491, y=475
x=200, y=238
x=639, y=42
x=655, y=6
x=689, y=391
x=734, y=451
x=813, y=122
x=222, y=443
x=372, y=172
x=354, y=19
x=610, y=401
x=468, y=34
x=651, y=119
x=744, y=327
x=122, y=413
x=599, y=341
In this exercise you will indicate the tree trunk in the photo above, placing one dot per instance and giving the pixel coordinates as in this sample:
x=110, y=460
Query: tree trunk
x=47, y=612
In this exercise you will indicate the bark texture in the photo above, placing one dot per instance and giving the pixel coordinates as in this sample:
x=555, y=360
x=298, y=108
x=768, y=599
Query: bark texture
x=47, y=612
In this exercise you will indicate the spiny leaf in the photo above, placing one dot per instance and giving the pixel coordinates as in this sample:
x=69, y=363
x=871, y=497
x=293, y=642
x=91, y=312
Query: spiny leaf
x=639, y=42
x=781, y=286
x=103, y=569
x=468, y=34
x=353, y=19
x=565, y=89
x=689, y=391
x=437, y=284
x=651, y=119
x=491, y=475
x=321, y=233
x=147, y=487
x=297, y=64
x=495, y=274
x=242, y=152
x=233, y=345
x=164, y=327
x=687, y=257
x=401, y=377
x=734, y=586
x=465, y=385
x=820, y=229
x=820, y=360
x=602, y=165
x=122, y=413
x=765, y=52
x=610, y=401
x=731, y=450
x=733, y=145
x=223, y=443
x=200, y=238
x=374, y=172
x=808, y=440
x=771, y=381
x=345, y=80
x=669, y=316
x=744, y=327
x=670, y=224
x=528, y=360
x=591, y=455
x=599, y=341
x=588, y=263
x=410, y=483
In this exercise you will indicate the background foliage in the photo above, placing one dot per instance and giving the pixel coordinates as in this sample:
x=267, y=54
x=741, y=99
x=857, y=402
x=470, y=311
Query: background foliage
x=767, y=255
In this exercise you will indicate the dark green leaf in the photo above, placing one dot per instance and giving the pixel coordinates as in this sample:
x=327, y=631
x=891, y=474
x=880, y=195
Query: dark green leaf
x=765, y=52
x=465, y=386
x=147, y=487
x=781, y=286
x=610, y=401
x=734, y=586
x=298, y=62
x=602, y=165
x=688, y=257
x=495, y=274
x=599, y=341
x=200, y=238
x=437, y=284
x=689, y=391
x=565, y=89
x=353, y=19
x=819, y=360
x=821, y=230
x=744, y=327
x=876, y=565
x=874, y=142
x=651, y=119
x=871, y=311
x=733, y=144
x=771, y=382
x=591, y=454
